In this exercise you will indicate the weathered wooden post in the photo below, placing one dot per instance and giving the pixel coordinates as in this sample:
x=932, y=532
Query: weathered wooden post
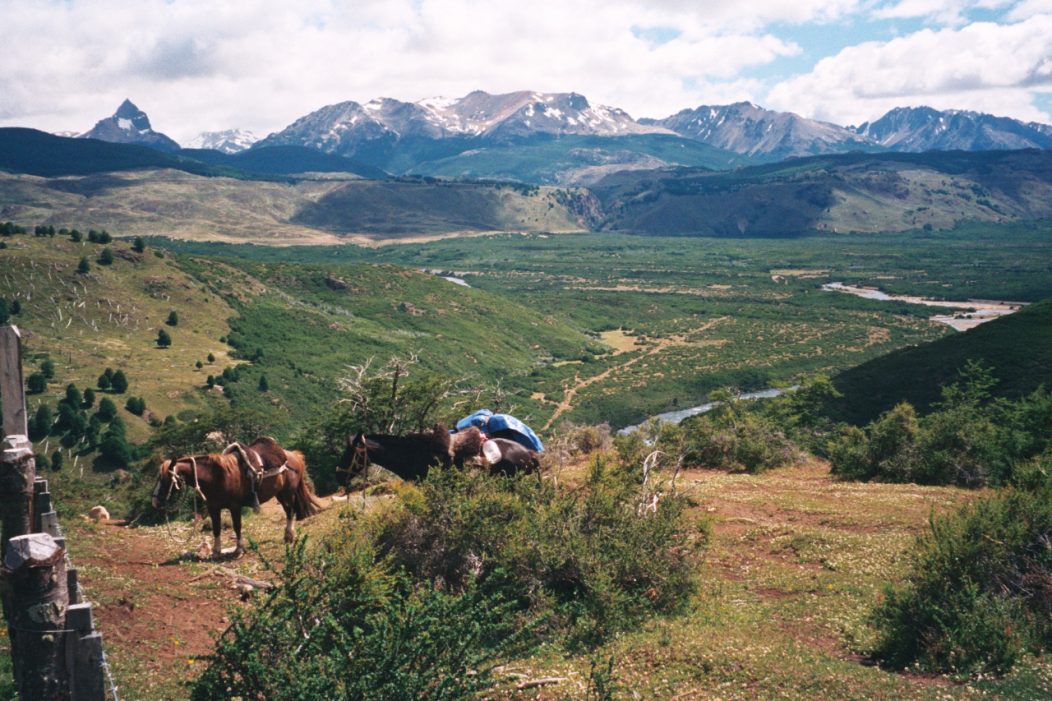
x=11, y=388
x=17, y=463
x=35, y=572
x=17, y=474
x=84, y=655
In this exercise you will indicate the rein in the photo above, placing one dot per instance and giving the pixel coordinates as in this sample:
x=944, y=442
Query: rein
x=359, y=462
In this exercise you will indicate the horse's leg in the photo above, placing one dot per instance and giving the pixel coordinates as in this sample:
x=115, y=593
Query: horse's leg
x=235, y=516
x=217, y=524
x=287, y=497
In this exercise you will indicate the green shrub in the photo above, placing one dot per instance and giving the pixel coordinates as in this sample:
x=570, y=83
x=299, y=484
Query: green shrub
x=342, y=626
x=732, y=438
x=967, y=440
x=595, y=557
x=980, y=591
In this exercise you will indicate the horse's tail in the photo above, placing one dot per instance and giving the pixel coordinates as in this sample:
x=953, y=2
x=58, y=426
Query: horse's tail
x=304, y=500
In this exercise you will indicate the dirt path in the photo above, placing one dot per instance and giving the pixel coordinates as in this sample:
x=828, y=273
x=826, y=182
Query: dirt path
x=566, y=403
x=160, y=601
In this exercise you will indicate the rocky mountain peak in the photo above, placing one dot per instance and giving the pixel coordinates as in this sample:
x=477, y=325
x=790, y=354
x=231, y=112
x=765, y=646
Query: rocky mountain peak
x=130, y=125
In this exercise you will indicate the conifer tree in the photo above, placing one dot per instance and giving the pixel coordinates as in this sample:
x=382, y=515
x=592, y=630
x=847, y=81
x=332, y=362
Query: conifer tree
x=36, y=383
x=107, y=410
x=119, y=383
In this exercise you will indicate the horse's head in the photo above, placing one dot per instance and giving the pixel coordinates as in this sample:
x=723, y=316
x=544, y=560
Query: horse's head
x=169, y=481
x=355, y=459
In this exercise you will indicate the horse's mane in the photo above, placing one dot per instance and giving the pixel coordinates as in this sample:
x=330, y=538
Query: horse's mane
x=226, y=461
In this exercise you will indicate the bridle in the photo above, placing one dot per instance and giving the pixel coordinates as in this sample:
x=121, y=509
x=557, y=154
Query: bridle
x=176, y=481
x=359, y=461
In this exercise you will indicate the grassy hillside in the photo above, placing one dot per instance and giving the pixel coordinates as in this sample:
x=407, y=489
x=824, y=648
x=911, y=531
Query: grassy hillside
x=576, y=159
x=841, y=193
x=408, y=207
x=1018, y=348
x=283, y=160
x=324, y=211
x=109, y=317
x=304, y=325
x=300, y=325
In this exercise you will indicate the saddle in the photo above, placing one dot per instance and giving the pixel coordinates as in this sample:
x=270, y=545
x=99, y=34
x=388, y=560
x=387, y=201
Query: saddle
x=263, y=458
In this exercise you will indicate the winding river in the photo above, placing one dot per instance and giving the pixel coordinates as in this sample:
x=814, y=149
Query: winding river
x=970, y=313
x=674, y=417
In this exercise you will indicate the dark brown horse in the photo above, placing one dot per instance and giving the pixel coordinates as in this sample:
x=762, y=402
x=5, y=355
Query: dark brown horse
x=412, y=455
x=409, y=456
x=221, y=480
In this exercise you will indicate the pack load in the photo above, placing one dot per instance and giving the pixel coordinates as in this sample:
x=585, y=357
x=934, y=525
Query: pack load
x=502, y=426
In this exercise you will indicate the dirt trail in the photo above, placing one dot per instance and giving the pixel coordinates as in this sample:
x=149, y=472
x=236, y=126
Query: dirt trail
x=160, y=602
x=566, y=403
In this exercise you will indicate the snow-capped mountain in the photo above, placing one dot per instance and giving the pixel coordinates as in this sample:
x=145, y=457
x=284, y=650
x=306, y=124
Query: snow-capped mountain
x=918, y=129
x=748, y=129
x=342, y=128
x=130, y=125
x=525, y=113
x=227, y=141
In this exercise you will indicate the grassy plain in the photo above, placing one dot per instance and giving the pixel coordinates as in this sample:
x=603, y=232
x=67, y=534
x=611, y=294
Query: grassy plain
x=711, y=312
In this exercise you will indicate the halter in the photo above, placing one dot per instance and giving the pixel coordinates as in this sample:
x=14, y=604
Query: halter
x=359, y=461
x=177, y=481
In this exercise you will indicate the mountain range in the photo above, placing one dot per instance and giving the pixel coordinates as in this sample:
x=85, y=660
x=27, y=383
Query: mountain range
x=350, y=128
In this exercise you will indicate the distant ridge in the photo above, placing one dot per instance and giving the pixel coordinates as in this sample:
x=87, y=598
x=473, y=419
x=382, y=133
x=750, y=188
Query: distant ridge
x=916, y=129
x=39, y=153
x=748, y=129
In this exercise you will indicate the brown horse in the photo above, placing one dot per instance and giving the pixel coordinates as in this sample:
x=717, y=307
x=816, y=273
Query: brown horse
x=221, y=481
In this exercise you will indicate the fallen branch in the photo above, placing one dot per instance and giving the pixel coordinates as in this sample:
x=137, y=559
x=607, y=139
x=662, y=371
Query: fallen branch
x=543, y=681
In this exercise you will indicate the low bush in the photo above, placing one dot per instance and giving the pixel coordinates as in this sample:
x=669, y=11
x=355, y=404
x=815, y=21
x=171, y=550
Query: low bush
x=980, y=592
x=342, y=626
x=968, y=440
x=748, y=443
x=594, y=558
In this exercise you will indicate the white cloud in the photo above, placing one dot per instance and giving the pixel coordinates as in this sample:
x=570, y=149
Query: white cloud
x=1029, y=8
x=952, y=12
x=984, y=66
x=197, y=65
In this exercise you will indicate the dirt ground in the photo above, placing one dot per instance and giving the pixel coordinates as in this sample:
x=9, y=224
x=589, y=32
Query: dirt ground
x=160, y=600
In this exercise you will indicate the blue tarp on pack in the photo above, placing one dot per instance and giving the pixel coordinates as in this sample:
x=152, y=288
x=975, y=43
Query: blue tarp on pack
x=504, y=424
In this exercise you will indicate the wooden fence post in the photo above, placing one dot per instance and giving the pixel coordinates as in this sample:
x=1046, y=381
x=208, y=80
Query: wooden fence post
x=11, y=388
x=17, y=474
x=35, y=570
x=84, y=655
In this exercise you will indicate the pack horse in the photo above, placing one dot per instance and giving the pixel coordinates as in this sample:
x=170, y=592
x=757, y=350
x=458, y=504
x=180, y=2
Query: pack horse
x=241, y=476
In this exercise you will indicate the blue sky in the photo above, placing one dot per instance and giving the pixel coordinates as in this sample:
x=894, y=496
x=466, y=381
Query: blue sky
x=200, y=66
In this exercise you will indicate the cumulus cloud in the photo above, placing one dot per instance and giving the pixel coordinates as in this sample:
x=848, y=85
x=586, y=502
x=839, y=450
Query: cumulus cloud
x=983, y=66
x=196, y=65
x=944, y=11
